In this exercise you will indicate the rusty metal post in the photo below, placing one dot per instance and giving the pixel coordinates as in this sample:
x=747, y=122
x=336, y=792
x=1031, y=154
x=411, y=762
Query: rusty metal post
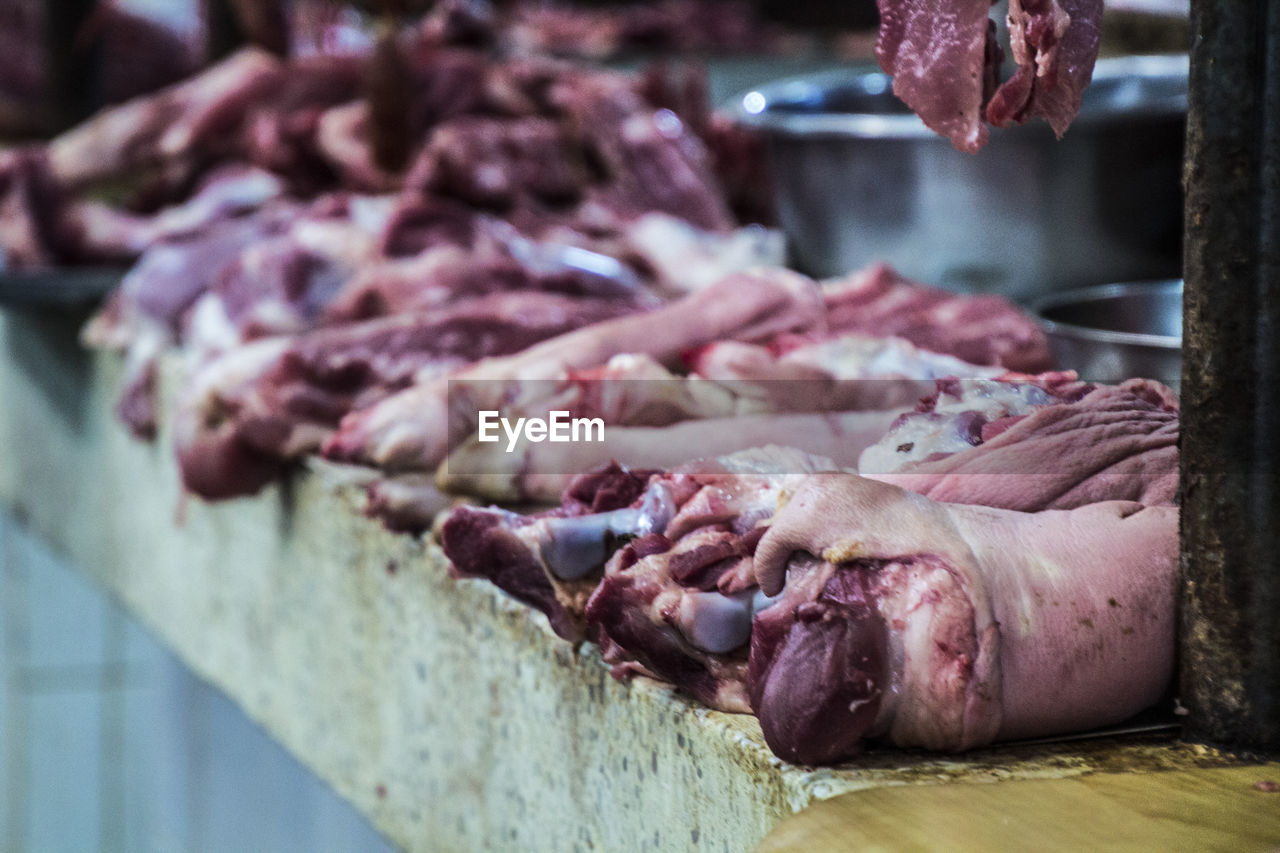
x=1230, y=602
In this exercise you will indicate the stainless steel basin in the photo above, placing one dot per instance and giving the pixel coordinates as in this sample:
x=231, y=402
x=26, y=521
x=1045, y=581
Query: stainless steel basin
x=859, y=178
x=1114, y=332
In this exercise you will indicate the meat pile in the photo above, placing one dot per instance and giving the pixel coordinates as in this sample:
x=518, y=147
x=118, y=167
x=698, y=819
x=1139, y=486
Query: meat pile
x=724, y=26
x=539, y=143
x=839, y=608
x=759, y=357
x=860, y=509
x=257, y=214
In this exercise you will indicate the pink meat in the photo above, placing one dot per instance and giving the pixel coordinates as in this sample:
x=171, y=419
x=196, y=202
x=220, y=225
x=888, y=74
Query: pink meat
x=342, y=140
x=497, y=163
x=276, y=399
x=440, y=276
x=653, y=162
x=177, y=270
x=194, y=115
x=411, y=430
x=552, y=560
x=878, y=302
x=540, y=472
x=879, y=614
x=945, y=62
x=946, y=626
x=1055, y=43
x=29, y=204
x=984, y=330
x=943, y=58
x=1081, y=445
x=408, y=503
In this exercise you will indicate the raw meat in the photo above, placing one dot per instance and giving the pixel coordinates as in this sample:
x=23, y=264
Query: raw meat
x=847, y=372
x=984, y=330
x=438, y=276
x=1055, y=43
x=541, y=472
x=653, y=162
x=564, y=29
x=43, y=224
x=145, y=314
x=879, y=304
x=29, y=200
x=408, y=503
x=867, y=611
x=411, y=430
x=190, y=118
x=945, y=62
x=341, y=138
x=1032, y=445
x=500, y=163
x=947, y=626
x=134, y=55
x=656, y=419
x=552, y=560
x=276, y=399
x=686, y=258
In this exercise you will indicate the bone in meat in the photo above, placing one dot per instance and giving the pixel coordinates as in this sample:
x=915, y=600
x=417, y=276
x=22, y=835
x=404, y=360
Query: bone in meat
x=948, y=626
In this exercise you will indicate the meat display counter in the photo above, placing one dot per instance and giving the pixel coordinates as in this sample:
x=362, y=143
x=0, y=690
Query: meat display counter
x=446, y=712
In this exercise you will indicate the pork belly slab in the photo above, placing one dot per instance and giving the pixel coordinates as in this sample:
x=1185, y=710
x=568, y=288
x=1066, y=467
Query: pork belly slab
x=878, y=302
x=539, y=473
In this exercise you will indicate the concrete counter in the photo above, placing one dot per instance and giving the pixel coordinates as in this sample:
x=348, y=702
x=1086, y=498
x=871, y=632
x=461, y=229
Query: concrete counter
x=445, y=711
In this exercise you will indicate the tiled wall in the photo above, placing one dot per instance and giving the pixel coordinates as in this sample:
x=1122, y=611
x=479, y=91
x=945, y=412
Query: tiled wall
x=108, y=743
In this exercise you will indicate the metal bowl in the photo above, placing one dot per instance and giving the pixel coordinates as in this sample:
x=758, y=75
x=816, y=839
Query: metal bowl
x=859, y=178
x=1113, y=332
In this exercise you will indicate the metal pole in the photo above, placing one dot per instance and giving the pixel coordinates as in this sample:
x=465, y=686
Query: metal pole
x=1230, y=600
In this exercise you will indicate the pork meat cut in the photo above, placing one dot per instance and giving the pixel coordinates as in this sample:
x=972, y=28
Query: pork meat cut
x=945, y=62
x=841, y=609
x=947, y=626
x=412, y=430
x=1040, y=443
x=277, y=398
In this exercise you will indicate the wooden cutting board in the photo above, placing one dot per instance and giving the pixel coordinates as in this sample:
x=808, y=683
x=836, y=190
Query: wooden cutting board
x=1206, y=809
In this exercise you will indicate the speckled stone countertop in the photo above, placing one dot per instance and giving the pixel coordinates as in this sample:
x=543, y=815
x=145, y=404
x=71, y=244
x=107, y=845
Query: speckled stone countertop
x=445, y=711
